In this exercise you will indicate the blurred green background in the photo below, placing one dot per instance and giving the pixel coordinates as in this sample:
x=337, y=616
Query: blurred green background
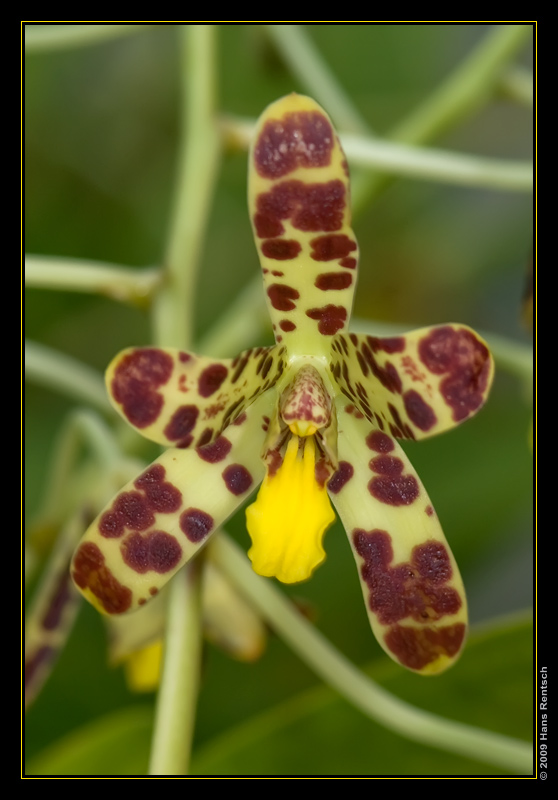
x=101, y=135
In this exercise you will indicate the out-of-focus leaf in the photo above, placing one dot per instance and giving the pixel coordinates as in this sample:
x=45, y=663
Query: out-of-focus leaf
x=117, y=744
x=317, y=733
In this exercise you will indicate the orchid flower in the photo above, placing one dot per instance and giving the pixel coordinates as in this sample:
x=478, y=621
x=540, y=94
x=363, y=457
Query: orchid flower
x=314, y=419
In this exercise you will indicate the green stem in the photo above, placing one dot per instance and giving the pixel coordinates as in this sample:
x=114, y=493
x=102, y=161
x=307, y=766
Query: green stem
x=411, y=161
x=464, y=91
x=64, y=37
x=173, y=320
x=176, y=701
x=467, y=88
x=403, y=718
x=306, y=63
x=82, y=427
x=198, y=162
x=66, y=375
x=125, y=284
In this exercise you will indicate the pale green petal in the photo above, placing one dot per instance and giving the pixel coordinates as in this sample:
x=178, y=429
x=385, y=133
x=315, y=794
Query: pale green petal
x=298, y=194
x=160, y=520
x=418, y=384
x=179, y=399
x=412, y=588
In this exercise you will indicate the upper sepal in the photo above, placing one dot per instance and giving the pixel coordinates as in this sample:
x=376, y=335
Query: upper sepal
x=300, y=212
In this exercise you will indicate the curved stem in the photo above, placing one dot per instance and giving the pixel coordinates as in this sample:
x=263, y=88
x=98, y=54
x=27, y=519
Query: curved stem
x=67, y=375
x=351, y=683
x=125, y=284
x=465, y=89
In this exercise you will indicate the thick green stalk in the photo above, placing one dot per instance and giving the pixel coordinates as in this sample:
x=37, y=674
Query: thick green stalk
x=197, y=167
x=173, y=320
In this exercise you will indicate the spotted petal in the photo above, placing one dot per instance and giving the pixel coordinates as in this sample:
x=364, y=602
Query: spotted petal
x=411, y=584
x=179, y=399
x=416, y=385
x=160, y=520
x=299, y=207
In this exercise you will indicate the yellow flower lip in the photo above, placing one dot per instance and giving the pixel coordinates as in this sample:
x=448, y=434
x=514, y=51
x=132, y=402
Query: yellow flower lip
x=290, y=517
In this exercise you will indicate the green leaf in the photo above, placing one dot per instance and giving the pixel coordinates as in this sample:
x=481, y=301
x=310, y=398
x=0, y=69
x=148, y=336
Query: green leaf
x=116, y=744
x=317, y=733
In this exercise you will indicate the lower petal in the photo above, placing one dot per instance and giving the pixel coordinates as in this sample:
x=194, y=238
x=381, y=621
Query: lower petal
x=412, y=588
x=160, y=520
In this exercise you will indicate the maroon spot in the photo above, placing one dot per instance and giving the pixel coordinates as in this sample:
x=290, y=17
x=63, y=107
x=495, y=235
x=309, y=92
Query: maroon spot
x=181, y=424
x=362, y=363
x=196, y=524
x=330, y=318
x=151, y=477
x=417, y=647
x=89, y=572
x=401, y=490
x=231, y=411
x=59, y=600
x=437, y=350
x=415, y=589
x=205, y=437
x=402, y=430
x=348, y=263
x=287, y=325
x=420, y=413
x=310, y=207
x=429, y=511
x=387, y=375
x=328, y=248
x=343, y=474
x=277, y=273
x=267, y=226
x=282, y=296
x=217, y=451
x=328, y=281
x=298, y=139
x=465, y=391
x=466, y=359
x=240, y=419
x=281, y=250
x=211, y=379
x=162, y=496
x=129, y=510
x=393, y=344
x=135, y=383
x=380, y=442
x=322, y=472
x=237, y=479
x=184, y=357
x=240, y=365
x=387, y=465
x=157, y=552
